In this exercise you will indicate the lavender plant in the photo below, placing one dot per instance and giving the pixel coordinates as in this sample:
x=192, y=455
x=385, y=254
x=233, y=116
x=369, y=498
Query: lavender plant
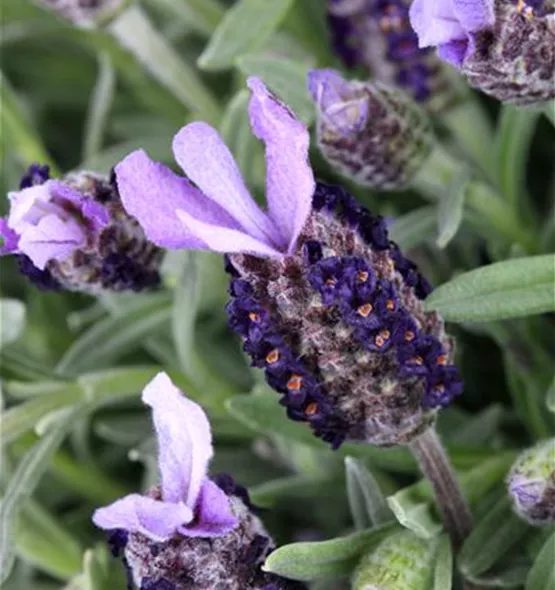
x=347, y=265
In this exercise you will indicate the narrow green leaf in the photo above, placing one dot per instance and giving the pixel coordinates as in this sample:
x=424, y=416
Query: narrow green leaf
x=413, y=514
x=414, y=228
x=481, y=428
x=94, y=571
x=201, y=15
x=491, y=539
x=244, y=28
x=542, y=573
x=12, y=320
x=112, y=337
x=511, y=576
x=99, y=106
x=512, y=288
x=443, y=572
x=26, y=389
x=271, y=493
x=450, y=209
x=285, y=77
x=514, y=132
x=550, y=397
x=333, y=558
x=366, y=500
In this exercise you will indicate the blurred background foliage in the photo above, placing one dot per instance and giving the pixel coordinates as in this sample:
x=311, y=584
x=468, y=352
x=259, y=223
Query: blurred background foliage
x=74, y=434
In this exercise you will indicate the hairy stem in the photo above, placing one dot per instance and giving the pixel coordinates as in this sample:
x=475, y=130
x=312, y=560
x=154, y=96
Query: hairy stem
x=434, y=464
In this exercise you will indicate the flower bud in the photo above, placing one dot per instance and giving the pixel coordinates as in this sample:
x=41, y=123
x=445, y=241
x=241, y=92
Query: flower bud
x=506, y=48
x=369, y=132
x=403, y=561
x=531, y=483
x=85, y=12
x=74, y=234
x=377, y=35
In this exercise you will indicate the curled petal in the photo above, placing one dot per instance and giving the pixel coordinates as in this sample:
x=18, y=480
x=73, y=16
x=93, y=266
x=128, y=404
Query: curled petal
x=139, y=514
x=152, y=193
x=201, y=152
x=9, y=238
x=213, y=513
x=184, y=440
x=289, y=178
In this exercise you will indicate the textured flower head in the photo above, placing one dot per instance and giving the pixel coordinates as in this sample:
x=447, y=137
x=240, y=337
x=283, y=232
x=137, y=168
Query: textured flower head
x=369, y=132
x=531, y=483
x=505, y=48
x=326, y=304
x=377, y=35
x=74, y=234
x=190, y=532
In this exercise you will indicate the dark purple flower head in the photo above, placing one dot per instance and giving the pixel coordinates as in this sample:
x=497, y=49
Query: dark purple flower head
x=376, y=34
x=531, y=484
x=325, y=303
x=74, y=234
x=505, y=48
x=370, y=133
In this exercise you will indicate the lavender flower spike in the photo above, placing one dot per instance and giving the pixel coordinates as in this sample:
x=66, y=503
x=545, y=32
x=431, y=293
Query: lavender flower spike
x=326, y=304
x=74, y=234
x=190, y=532
x=505, y=48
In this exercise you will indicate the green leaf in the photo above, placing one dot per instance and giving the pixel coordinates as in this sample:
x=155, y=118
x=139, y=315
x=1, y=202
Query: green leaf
x=285, y=77
x=414, y=228
x=443, y=572
x=450, y=208
x=413, y=514
x=201, y=15
x=542, y=573
x=550, y=397
x=481, y=428
x=12, y=320
x=491, y=539
x=112, y=337
x=245, y=27
x=511, y=576
x=333, y=558
x=367, y=502
x=40, y=540
x=512, y=288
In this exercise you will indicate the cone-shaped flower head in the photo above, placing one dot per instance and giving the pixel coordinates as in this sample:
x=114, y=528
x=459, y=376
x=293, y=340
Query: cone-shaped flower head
x=85, y=12
x=190, y=532
x=531, y=483
x=377, y=35
x=369, y=132
x=505, y=48
x=74, y=234
x=326, y=303
x=402, y=561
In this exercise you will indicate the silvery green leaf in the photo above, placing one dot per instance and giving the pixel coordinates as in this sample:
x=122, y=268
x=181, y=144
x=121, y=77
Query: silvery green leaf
x=414, y=228
x=512, y=288
x=443, y=572
x=368, y=504
x=244, y=28
x=333, y=558
x=450, y=208
x=414, y=514
x=550, y=397
x=481, y=427
x=542, y=573
x=12, y=320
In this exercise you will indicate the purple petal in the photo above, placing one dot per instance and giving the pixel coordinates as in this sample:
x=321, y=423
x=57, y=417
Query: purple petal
x=10, y=238
x=475, y=15
x=226, y=241
x=152, y=193
x=27, y=206
x=200, y=151
x=51, y=239
x=94, y=212
x=453, y=52
x=184, y=440
x=213, y=515
x=289, y=178
x=139, y=514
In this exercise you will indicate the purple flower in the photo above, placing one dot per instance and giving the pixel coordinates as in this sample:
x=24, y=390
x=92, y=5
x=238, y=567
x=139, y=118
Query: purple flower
x=49, y=221
x=220, y=214
x=451, y=25
x=190, y=504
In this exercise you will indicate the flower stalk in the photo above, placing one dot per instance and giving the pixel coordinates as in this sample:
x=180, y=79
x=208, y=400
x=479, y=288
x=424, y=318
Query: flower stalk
x=435, y=465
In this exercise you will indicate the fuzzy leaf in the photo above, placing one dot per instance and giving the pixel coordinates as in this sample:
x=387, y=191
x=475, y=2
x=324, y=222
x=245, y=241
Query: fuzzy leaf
x=443, y=573
x=512, y=288
x=333, y=558
x=550, y=397
x=244, y=28
x=12, y=320
x=450, y=209
x=414, y=228
x=542, y=573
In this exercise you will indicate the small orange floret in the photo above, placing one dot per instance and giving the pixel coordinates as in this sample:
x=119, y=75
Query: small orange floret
x=273, y=356
x=295, y=382
x=409, y=336
x=390, y=305
x=382, y=338
x=442, y=359
x=362, y=276
x=439, y=388
x=331, y=282
x=417, y=360
x=253, y=316
x=311, y=409
x=365, y=310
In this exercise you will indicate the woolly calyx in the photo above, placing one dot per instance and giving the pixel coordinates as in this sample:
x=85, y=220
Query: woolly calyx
x=369, y=132
x=377, y=35
x=531, y=484
x=403, y=561
x=74, y=234
x=339, y=328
